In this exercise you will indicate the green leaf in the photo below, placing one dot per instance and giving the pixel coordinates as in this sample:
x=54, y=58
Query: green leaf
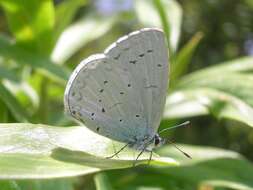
x=167, y=12
x=198, y=153
x=8, y=74
x=163, y=17
x=102, y=182
x=244, y=65
x=181, y=104
x=23, y=92
x=201, y=101
x=31, y=22
x=3, y=112
x=79, y=34
x=29, y=151
x=229, y=83
x=183, y=57
x=65, y=12
x=15, y=107
x=210, y=91
x=11, y=51
x=9, y=185
x=48, y=184
x=211, y=166
x=250, y=3
x=208, y=165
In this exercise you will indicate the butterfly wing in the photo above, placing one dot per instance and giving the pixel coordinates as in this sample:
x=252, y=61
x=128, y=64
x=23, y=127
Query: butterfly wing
x=121, y=93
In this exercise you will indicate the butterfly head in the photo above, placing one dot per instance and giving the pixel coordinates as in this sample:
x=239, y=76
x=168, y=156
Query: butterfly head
x=158, y=141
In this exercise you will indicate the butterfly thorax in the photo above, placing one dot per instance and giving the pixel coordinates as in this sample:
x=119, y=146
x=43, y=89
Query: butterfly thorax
x=147, y=143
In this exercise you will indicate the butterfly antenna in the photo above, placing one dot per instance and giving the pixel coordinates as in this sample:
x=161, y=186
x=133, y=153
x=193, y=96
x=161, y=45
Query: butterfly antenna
x=186, y=123
x=187, y=155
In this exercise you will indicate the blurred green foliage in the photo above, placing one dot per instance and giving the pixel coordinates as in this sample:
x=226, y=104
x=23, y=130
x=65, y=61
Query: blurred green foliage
x=210, y=44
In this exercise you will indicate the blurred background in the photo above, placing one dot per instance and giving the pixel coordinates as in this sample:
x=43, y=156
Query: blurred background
x=210, y=43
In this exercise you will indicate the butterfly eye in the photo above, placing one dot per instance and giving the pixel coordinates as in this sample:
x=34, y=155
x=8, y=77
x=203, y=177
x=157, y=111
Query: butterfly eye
x=157, y=140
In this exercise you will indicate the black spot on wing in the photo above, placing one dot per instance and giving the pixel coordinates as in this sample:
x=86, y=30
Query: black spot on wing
x=151, y=86
x=133, y=62
x=117, y=57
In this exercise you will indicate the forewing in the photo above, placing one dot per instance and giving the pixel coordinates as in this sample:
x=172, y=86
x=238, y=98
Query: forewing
x=144, y=55
x=121, y=93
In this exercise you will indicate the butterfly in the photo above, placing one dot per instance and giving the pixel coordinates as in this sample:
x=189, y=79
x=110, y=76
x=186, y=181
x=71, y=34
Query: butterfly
x=121, y=93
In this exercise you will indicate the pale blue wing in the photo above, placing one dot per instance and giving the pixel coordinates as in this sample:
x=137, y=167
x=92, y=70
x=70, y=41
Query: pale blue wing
x=121, y=93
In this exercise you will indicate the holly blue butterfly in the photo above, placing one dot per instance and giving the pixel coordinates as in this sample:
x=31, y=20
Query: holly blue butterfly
x=120, y=94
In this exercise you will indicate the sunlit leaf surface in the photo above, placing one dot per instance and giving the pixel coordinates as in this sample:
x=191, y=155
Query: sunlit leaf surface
x=79, y=34
x=149, y=17
x=65, y=13
x=201, y=101
x=39, y=151
x=224, y=91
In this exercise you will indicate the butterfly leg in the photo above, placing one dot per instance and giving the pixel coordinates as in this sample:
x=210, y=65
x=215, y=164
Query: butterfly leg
x=138, y=156
x=114, y=149
x=116, y=153
x=150, y=157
